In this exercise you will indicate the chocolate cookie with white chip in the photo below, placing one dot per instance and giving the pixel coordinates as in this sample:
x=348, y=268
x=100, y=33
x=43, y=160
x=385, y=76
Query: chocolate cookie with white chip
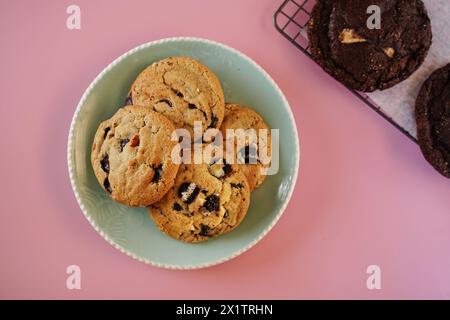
x=369, y=59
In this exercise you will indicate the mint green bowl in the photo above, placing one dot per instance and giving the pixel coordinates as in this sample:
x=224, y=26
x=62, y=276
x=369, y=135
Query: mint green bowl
x=131, y=230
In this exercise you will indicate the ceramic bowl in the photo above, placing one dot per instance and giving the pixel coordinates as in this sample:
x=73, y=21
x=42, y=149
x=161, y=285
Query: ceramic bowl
x=131, y=230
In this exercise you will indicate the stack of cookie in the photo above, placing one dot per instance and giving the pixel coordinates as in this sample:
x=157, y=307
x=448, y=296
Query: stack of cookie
x=366, y=55
x=133, y=159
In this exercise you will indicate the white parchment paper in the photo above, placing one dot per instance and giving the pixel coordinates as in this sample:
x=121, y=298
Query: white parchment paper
x=398, y=102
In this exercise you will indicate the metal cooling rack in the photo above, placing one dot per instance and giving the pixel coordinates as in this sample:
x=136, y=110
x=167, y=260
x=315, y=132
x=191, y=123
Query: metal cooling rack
x=291, y=21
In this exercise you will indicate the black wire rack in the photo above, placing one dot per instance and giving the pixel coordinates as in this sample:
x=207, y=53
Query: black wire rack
x=291, y=21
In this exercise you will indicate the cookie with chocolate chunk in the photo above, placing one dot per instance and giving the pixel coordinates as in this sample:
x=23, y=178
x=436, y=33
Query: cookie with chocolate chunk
x=433, y=120
x=369, y=59
x=206, y=200
x=248, y=157
x=182, y=89
x=131, y=156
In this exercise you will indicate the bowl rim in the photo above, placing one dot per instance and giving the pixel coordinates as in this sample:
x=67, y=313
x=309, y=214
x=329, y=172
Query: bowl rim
x=70, y=148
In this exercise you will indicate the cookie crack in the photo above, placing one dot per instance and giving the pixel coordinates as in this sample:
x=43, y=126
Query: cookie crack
x=183, y=98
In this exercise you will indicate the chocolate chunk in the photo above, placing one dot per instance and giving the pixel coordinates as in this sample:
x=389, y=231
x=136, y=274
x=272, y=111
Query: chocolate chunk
x=106, y=132
x=188, y=192
x=220, y=171
x=204, y=230
x=107, y=185
x=249, y=154
x=214, y=121
x=212, y=203
x=177, y=207
x=178, y=93
x=236, y=185
x=183, y=188
x=105, y=163
x=157, y=174
x=192, y=106
x=227, y=169
x=129, y=101
x=123, y=143
x=368, y=59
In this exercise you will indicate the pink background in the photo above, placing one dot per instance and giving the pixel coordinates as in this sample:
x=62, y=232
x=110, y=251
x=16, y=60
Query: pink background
x=365, y=195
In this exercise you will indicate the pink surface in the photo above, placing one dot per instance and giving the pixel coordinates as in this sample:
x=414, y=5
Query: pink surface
x=364, y=195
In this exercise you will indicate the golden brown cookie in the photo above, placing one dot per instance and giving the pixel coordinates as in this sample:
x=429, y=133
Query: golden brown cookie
x=238, y=117
x=205, y=201
x=182, y=89
x=131, y=156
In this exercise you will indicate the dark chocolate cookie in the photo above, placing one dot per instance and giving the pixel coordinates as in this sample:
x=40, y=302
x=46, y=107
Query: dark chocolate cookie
x=433, y=120
x=369, y=59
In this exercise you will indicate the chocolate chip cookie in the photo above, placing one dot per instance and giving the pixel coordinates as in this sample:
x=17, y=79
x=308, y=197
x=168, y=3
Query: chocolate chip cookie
x=369, y=59
x=433, y=120
x=182, y=89
x=206, y=200
x=131, y=156
x=248, y=156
